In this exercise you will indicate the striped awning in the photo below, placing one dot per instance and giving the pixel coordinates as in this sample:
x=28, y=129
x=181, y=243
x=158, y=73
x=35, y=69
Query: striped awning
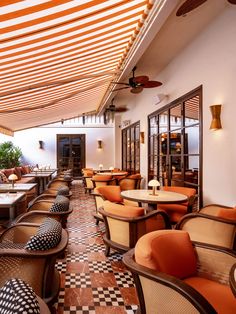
x=58, y=57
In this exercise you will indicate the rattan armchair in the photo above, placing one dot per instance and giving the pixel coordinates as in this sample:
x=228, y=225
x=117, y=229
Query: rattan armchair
x=219, y=211
x=131, y=182
x=103, y=193
x=126, y=224
x=209, y=229
x=36, y=267
x=177, y=211
x=102, y=180
x=43, y=208
x=174, y=275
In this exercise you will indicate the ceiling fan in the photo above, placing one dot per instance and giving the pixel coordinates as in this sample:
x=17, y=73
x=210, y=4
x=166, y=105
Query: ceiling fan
x=110, y=111
x=190, y=5
x=137, y=83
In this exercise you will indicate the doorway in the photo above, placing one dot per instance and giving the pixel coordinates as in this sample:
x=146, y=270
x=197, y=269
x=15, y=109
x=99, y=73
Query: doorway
x=71, y=153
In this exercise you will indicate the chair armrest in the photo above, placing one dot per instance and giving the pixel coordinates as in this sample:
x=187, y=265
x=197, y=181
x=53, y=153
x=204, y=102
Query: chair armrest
x=41, y=205
x=219, y=269
x=148, y=215
x=232, y=279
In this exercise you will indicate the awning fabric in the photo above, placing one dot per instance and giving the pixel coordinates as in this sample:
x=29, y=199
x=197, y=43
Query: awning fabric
x=58, y=58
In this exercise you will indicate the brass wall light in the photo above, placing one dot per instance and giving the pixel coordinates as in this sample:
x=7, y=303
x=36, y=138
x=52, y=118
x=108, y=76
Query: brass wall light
x=99, y=144
x=215, y=112
x=142, y=137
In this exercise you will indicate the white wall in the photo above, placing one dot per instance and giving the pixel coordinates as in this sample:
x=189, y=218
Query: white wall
x=27, y=140
x=209, y=60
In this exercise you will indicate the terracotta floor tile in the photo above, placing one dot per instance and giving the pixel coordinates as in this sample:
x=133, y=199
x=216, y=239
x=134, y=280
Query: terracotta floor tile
x=96, y=256
x=103, y=280
x=77, y=296
x=77, y=267
x=110, y=310
x=129, y=295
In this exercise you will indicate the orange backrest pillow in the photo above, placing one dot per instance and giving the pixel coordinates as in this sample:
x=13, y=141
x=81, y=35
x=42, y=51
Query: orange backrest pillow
x=110, y=192
x=123, y=210
x=167, y=251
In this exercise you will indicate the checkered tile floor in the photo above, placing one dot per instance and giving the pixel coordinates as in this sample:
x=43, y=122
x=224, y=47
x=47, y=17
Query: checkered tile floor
x=91, y=283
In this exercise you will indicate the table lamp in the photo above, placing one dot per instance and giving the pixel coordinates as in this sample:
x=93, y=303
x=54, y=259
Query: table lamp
x=100, y=166
x=153, y=183
x=111, y=169
x=12, y=177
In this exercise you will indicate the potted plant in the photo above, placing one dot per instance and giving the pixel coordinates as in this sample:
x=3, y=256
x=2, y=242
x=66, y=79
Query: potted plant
x=10, y=155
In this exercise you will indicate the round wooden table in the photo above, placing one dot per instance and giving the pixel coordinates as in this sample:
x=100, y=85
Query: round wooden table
x=161, y=197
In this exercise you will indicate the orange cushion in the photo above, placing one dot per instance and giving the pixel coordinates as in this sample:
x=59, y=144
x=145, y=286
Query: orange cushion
x=18, y=172
x=8, y=172
x=218, y=295
x=168, y=251
x=134, y=176
x=179, y=189
x=26, y=169
x=227, y=213
x=110, y=192
x=101, y=177
x=123, y=210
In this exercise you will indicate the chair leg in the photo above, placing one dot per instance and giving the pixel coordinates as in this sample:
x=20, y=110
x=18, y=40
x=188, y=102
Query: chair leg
x=107, y=251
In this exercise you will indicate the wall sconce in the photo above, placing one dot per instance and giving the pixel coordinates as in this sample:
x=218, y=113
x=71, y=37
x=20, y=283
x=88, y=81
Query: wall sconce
x=12, y=177
x=215, y=122
x=41, y=144
x=99, y=144
x=142, y=137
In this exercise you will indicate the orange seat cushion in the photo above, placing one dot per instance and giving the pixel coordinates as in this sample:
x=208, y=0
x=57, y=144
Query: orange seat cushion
x=218, y=295
x=227, y=213
x=123, y=210
x=110, y=192
x=101, y=177
x=168, y=251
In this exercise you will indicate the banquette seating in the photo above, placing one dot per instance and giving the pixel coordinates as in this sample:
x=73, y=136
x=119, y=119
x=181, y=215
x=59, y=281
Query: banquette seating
x=29, y=252
x=126, y=224
x=174, y=275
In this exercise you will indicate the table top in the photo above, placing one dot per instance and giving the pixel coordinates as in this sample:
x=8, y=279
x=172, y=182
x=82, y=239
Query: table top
x=112, y=173
x=24, y=187
x=38, y=174
x=9, y=199
x=146, y=196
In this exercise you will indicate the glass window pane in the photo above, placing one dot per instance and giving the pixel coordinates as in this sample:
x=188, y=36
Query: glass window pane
x=191, y=111
x=175, y=117
x=192, y=138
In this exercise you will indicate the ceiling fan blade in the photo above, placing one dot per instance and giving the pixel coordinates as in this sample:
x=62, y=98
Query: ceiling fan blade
x=136, y=90
x=232, y=1
x=121, y=109
x=188, y=6
x=115, y=90
x=120, y=83
x=151, y=84
x=141, y=79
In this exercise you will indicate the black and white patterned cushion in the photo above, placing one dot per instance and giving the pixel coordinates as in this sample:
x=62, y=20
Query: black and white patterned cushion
x=67, y=177
x=63, y=190
x=47, y=237
x=61, y=204
x=16, y=296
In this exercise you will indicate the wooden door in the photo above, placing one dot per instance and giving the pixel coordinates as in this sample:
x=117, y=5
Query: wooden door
x=71, y=152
